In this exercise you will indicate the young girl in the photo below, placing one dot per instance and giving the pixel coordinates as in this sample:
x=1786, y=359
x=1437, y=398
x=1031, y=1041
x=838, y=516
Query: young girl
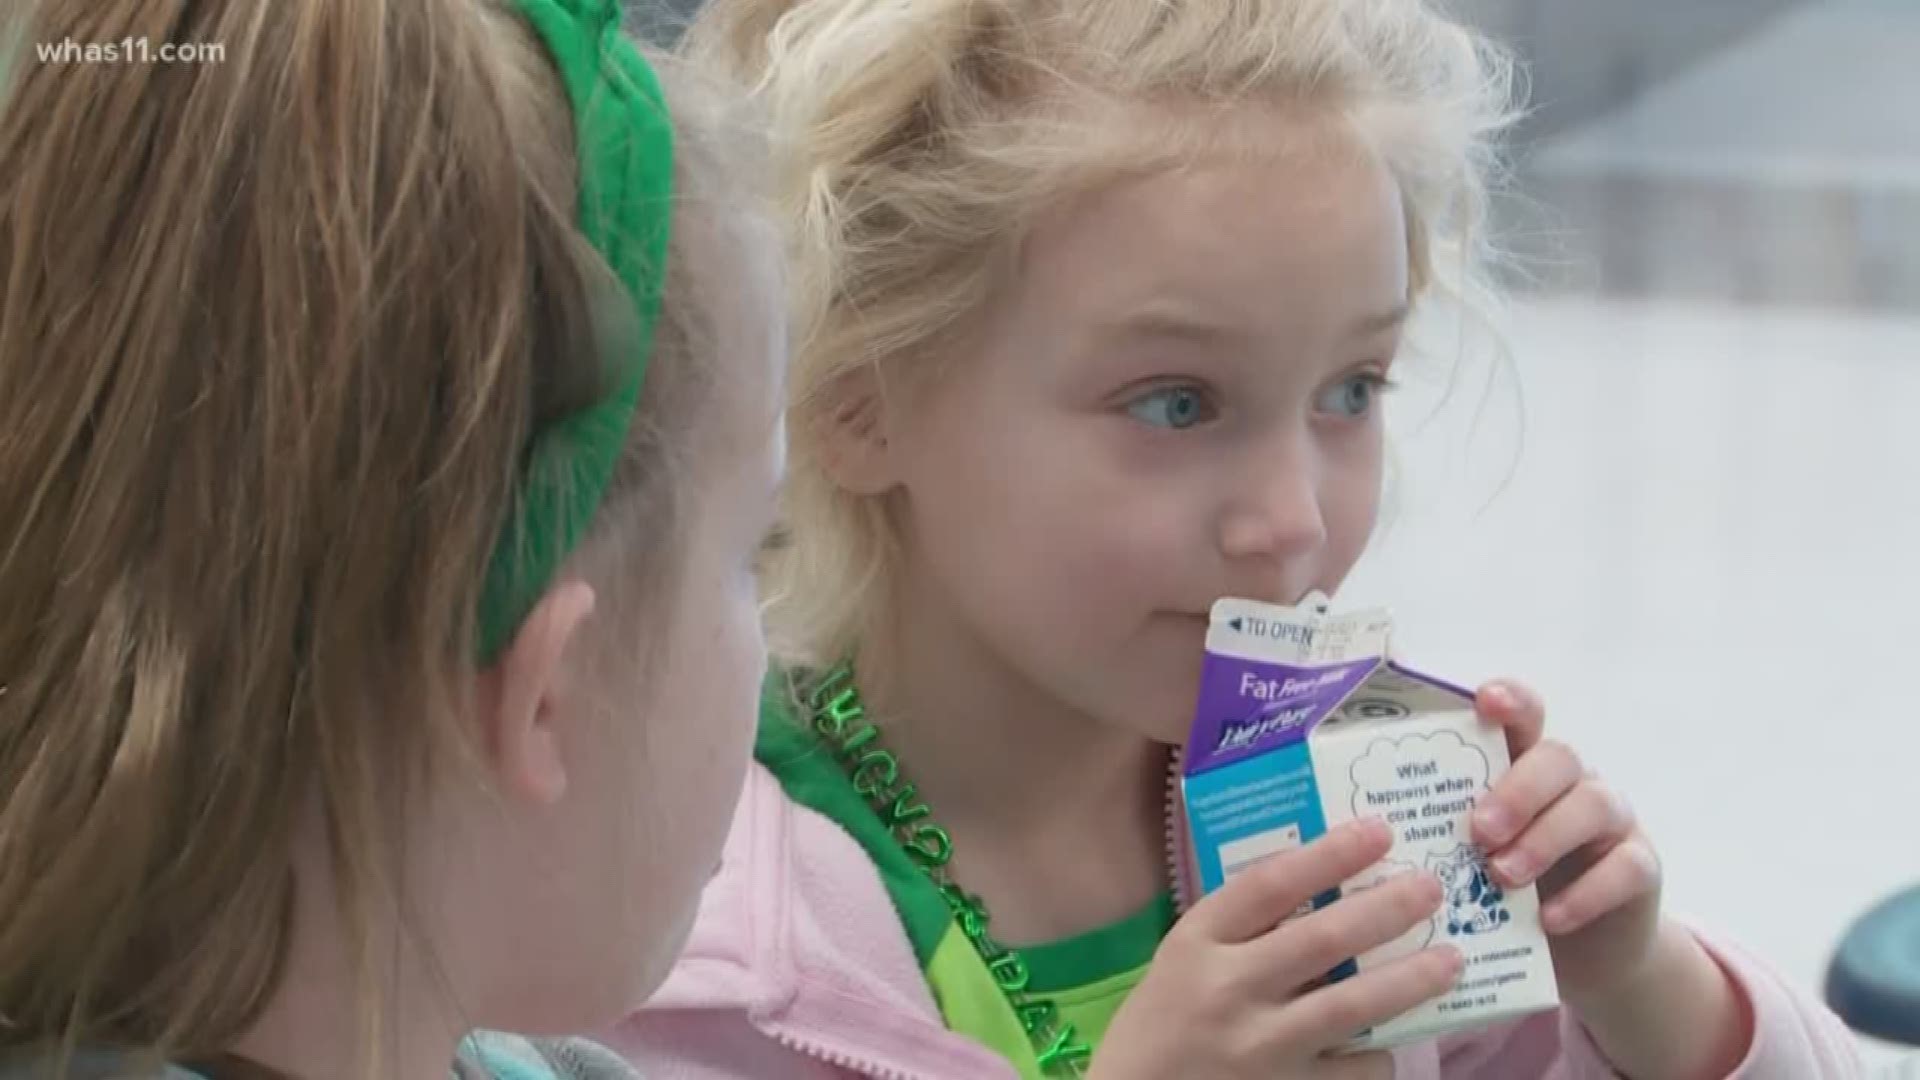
x=388, y=425
x=1113, y=288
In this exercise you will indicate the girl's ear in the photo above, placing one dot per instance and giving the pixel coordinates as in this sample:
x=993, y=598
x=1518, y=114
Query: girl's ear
x=521, y=694
x=860, y=450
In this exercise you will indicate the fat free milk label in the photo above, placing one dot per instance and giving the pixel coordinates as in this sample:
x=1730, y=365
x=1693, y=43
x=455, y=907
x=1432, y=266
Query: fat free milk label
x=1303, y=724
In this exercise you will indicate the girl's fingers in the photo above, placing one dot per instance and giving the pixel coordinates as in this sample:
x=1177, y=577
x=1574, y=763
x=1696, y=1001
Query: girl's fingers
x=1534, y=783
x=1589, y=814
x=1372, y=1065
x=1625, y=874
x=1305, y=949
x=1515, y=708
x=1326, y=1018
x=1254, y=902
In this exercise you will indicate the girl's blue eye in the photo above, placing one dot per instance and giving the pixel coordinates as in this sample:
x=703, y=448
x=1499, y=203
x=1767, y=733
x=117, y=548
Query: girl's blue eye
x=1353, y=398
x=1174, y=407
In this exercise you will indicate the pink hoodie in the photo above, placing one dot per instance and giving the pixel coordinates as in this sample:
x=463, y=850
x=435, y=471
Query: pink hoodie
x=798, y=969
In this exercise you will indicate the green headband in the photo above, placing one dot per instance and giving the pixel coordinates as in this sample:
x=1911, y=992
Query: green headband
x=624, y=142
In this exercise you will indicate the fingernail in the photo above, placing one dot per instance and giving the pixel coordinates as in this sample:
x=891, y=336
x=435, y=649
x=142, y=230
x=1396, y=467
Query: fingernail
x=1374, y=828
x=1498, y=697
x=1515, y=867
x=1556, y=919
x=1494, y=824
x=1456, y=960
x=1431, y=890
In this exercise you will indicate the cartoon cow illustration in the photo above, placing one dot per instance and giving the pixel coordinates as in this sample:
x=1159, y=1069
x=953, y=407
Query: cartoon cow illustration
x=1474, y=904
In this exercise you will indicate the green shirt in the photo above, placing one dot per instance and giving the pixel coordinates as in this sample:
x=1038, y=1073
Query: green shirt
x=1088, y=976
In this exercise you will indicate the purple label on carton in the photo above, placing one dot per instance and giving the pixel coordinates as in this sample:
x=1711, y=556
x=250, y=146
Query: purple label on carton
x=1452, y=688
x=1248, y=707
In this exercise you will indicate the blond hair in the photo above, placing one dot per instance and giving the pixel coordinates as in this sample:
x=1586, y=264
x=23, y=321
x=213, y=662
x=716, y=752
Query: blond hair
x=275, y=332
x=928, y=134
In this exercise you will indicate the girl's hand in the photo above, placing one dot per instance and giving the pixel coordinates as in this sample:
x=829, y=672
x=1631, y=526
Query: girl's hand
x=1234, y=992
x=1646, y=990
x=1551, y=820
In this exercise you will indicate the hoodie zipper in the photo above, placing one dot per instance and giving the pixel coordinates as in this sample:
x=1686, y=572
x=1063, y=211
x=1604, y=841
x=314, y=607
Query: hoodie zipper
x=839, y=1060
x=1179, y=850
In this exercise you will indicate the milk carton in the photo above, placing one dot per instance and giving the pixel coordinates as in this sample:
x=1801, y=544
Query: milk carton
x=1304, y=723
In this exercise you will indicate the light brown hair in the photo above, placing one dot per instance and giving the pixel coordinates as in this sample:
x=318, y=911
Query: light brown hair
x=274, y=334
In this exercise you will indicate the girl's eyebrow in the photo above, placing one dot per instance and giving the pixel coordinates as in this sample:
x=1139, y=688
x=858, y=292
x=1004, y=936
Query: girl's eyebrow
x=1181, y=325
x=1382, y=322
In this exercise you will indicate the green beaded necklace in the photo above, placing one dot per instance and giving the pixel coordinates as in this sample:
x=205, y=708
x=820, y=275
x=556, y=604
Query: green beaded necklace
x=839, y=718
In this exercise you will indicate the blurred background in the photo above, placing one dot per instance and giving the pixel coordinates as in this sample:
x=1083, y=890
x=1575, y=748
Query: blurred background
x=1688, y=506
x=1686, y=503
